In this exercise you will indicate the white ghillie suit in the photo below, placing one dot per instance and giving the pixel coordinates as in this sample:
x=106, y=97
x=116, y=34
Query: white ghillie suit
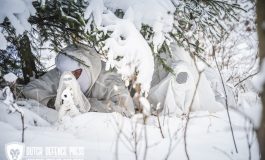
x=105, y=90
x=175, y=92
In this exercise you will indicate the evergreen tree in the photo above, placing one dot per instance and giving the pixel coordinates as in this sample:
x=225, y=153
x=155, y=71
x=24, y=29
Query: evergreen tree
x=62, y=22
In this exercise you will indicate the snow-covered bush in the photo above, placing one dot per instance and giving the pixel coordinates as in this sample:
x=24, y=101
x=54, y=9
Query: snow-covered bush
x=156, y=23
x=236, y=50
x=131, y=35
x=17, y=12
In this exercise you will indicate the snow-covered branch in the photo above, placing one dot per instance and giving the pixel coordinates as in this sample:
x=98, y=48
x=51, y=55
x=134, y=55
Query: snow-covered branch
x=17, y=12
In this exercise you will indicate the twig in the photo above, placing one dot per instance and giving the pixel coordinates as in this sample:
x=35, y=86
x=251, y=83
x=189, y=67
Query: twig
x=117, y=143
x=135, y=142
x=23, y=127
x=11, y=102
x=249, y=76
x=122, y=134
x=132, y=145
x=170, y=142
x=171, y=146
x=202, y=59
x=245, y=116
x=226, y=101
x=14, y=105
x=146, y=138
x=225, y=153
x=186, y=125
x=159, y=125
x=249, y=144
x=188, y=114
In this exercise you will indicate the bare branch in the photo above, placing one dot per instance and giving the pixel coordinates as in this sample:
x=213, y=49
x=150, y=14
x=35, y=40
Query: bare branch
x=188, y=114
x=159, y=125
x=226, y=101
x=146, y=138
x=249, y=76
x=15, y=106
x=222, y=151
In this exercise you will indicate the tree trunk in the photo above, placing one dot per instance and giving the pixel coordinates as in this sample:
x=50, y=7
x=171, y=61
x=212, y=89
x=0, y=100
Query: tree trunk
x=261, y=35
x=27, y=58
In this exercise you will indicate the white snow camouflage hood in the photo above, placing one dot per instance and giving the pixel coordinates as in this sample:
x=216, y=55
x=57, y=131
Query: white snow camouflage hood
x=79, y=56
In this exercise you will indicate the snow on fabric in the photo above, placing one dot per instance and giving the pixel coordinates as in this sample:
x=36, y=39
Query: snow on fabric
x=65, y=63
x=17, y=12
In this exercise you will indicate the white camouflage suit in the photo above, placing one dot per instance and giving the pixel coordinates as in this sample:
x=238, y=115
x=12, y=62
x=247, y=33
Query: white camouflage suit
x=106, y=91
x=174, y=94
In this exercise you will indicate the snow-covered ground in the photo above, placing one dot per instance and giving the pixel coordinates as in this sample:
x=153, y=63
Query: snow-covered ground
x=112, y=136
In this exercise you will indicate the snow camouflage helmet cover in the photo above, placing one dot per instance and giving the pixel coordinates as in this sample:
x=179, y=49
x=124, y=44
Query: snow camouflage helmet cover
x=79, y=56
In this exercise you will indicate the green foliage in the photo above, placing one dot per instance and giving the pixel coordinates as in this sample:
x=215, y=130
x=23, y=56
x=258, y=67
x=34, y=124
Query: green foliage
x=10, y=58
x=18, y=57
x=199, y=20
x=58, y=22
x=61, y=22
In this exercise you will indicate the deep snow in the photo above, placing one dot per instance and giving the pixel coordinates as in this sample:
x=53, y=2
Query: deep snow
x=111, y=136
